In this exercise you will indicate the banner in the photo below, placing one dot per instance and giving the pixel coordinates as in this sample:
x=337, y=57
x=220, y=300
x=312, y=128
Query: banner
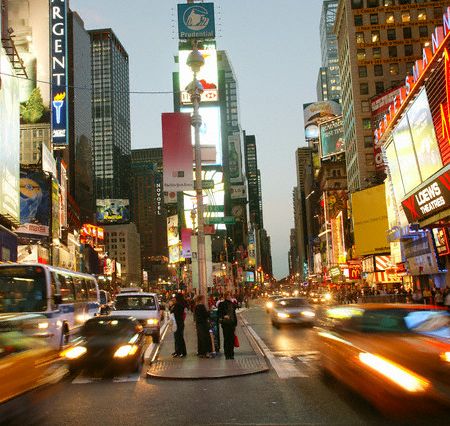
x=63, y=196
x=173, y=236
x=56, y=226
x=186, y=234
x=235, y=158
x=177, y=152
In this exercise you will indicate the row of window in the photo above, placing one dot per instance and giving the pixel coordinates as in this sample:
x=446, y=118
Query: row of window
x=393, y=52
x=76, y=289
x=391, y=34
x=404, y=17
x=360, y=4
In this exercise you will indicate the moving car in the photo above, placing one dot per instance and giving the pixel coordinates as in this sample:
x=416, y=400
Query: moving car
x=271, y=300
x=395, y=355
x=108, y=343
x=144, y=307
x=292, y=310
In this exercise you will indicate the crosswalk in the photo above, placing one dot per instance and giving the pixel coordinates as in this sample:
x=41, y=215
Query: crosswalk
x=82, y=379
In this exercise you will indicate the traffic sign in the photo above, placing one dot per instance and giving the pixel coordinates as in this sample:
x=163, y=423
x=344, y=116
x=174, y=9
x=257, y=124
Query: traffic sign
x=225, y=220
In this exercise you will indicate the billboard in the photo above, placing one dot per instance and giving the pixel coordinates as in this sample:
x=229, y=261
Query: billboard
x=59, y=65
x=235, y=158
x=331, y=133
x=177, y=152
x=207, y=76
x=56, y=227
x=186, y=234
x=210, y=131
x=63, y=195
x=48, y=161
x=9, y=142
x=34, y=203
x=370, y=222
x=113, y=211
x=196, y=21
x=173, y=236
x=317, y=112
x=441, y=241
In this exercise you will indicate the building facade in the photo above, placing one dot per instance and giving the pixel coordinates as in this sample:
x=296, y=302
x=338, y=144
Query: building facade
x=110, y=115
x=253, y=182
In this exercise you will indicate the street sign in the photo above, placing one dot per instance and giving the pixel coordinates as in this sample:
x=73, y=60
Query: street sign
x=225, y=220
x=207, y=184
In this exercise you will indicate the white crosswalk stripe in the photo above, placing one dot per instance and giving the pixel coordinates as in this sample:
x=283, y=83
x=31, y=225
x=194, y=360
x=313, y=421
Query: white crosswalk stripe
x=83, y=380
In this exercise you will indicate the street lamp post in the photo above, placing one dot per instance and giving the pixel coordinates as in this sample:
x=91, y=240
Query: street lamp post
x=195, y=89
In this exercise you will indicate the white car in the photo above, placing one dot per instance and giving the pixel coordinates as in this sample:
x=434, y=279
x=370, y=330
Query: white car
x=144, y=307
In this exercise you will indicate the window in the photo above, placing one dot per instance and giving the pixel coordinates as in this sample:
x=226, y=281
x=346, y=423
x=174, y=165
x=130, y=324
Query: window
x=374, y=19
x=406, y=16
x=370, y=160
x=361, y=54
x=363, y=89
x=407, y=32
x=358, y=20
x=368, y=142
x=376, y=51
x=379, y=87
x=421, y=15
x=357, y=4
x=367, y=124
x=365, y=106
x=373, y=3
x=392, y=50
x=359, y=38
x=437, y=13
x=423, y=31
x=66, y=288
x=390, y=19
x=378, y=70
x=362, y=70
x=375, y=36
x=388, y=2
x=81, y=292
x=391, y=34
x=409, y=50
x=393, y=69
x=92, y=290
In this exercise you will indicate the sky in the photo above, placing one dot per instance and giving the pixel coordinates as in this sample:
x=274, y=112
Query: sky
x=274, y=46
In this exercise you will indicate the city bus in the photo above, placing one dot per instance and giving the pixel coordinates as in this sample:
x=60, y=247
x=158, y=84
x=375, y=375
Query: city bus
x=66, y=298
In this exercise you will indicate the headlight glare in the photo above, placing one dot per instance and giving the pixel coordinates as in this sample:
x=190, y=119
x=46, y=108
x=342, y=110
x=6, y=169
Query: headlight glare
x=152, y=321
x=282, y=315
x=308, y=314
x=125, y=350
x=269, y=305
x=75, y=352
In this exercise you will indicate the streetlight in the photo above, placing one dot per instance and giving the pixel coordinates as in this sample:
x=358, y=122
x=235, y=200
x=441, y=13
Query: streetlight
x=195, y=61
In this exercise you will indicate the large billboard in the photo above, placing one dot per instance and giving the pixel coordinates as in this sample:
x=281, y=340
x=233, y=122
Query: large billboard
x=173, y=235
x=196, y=21
x=177, y=152
x=9, y=142
x=35, y=207
x=59, y=65
x=56, y=227
x=113, y=211
x=317, y=112
x=207, y=76
x=235, y=158
x=370, y=221
x=210, y=131
x=331, y=134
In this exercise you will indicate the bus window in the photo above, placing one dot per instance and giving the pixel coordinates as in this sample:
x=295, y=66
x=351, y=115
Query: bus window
x=53, y=290
x=66, y=288
x=81, y=293
x=92, y=290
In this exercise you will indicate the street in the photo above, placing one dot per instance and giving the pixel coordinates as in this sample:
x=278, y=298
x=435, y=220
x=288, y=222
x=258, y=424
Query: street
x=301, y=397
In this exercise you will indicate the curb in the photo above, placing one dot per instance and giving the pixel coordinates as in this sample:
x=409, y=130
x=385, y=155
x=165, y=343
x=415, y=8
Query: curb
x=153, y=349
x=253, y=342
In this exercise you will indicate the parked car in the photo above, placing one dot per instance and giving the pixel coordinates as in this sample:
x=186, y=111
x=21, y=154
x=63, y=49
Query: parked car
x=292, y=310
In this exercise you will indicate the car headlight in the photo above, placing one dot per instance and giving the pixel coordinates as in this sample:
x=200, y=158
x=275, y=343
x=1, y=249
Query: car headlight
x=445, y=356
x=152, y=321
x=43, y=325
x=125, y=350
x=269, y=305
x=75, y=352
x=401, y=376
x=308, y=314
x=327, y=296
x=282, y=315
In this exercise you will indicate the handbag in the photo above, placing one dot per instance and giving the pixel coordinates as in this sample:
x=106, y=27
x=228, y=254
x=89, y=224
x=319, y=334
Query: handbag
x=236, y=341
x=173, y=322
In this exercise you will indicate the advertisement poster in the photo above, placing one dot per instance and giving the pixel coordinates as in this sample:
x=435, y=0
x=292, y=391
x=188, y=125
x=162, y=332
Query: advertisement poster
x=331, y=137
x=35, y=207
x=177, y=152
x=56, y=227
x=63, y=196
x=317, y=112
x=113, y=211
x=235, y=158
x=441, y=240
x=186, y=234
x=196, y=21
x=174, y=253
x=173, y=236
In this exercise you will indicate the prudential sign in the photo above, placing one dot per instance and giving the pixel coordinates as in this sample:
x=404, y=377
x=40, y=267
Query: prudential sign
x=196, y=21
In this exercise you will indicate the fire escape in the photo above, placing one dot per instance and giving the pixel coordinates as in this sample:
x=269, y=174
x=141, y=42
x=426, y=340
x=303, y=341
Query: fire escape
x=11, y=51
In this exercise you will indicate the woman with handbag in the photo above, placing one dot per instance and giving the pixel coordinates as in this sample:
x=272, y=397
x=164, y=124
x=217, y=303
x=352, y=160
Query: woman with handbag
x=178, y=312
x=228, y=319
x=201, y=318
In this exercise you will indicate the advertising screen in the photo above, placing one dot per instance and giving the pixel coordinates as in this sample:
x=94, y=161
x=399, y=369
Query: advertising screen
x=440, y=236
x=9, y=142
x=394, y=170
x=235, y=157
x=405, y=155
x=317, y=112
x=331, y=137
x=35, y=207
x=113, y=211
x=207, y=76
x=210, y=130
x=424, y=136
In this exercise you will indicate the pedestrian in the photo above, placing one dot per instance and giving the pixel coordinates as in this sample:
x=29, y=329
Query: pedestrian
x=178, y=310
x=201, y=318
x=228, y=319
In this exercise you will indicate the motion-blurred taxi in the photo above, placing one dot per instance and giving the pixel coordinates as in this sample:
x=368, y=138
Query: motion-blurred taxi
x=292, y=310
x=26, y=359
x=271, y=300
x=395, y=355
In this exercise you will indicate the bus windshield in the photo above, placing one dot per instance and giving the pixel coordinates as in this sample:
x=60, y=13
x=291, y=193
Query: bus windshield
x=22, y=289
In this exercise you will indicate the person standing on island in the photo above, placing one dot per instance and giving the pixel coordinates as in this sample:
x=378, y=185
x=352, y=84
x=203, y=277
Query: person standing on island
x=201, y=317
x=228, y=319
x=178, y=310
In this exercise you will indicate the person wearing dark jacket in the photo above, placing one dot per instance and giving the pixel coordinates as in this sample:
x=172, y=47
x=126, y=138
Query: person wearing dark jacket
x=178, y=310
x=228, y=319
x=201, y=318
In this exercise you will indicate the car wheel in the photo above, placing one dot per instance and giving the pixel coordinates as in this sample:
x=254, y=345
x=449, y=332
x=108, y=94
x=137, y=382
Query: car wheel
x=156, y=337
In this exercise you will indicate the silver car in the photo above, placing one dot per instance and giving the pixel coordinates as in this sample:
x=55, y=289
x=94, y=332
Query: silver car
x=292, y=310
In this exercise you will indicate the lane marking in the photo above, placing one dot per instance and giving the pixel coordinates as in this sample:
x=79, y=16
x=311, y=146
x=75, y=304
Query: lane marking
x=152, y=346
x=83, y=380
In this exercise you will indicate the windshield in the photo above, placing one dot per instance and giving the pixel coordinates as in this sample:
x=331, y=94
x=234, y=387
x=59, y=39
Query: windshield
x=22, y=289
x=135, y=303
x=291, y=303
x=107, y=327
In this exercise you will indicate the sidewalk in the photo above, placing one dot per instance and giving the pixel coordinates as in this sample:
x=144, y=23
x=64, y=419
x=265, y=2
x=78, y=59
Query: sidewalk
x=248, y=359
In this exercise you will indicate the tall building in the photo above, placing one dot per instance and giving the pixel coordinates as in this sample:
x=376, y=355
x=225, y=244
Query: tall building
x=79, y=155
x=378, y=41
x=110, y=115
x=253, y=182
x=148, y=211
x=328, y=82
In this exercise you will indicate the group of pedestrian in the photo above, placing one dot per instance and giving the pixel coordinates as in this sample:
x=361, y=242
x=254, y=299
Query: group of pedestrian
x=227, y=319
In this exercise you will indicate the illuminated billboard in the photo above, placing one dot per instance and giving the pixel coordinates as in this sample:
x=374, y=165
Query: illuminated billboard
x=207, y=76
x=113, y=211
x=196, y=21
x=173, y=236
x=331, y=134
x=210, y=130
x=317, y=112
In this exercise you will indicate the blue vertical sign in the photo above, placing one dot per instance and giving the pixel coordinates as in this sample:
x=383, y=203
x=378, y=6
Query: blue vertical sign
x=59, y=65
x=196, y=21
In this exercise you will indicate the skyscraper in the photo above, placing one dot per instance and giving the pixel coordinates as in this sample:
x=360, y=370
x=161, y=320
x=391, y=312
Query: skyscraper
x=378, y=40
x=253, y=182
x=110, y=115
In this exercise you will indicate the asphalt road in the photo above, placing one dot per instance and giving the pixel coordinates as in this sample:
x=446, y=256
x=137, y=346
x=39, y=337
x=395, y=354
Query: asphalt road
x=263, y=399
